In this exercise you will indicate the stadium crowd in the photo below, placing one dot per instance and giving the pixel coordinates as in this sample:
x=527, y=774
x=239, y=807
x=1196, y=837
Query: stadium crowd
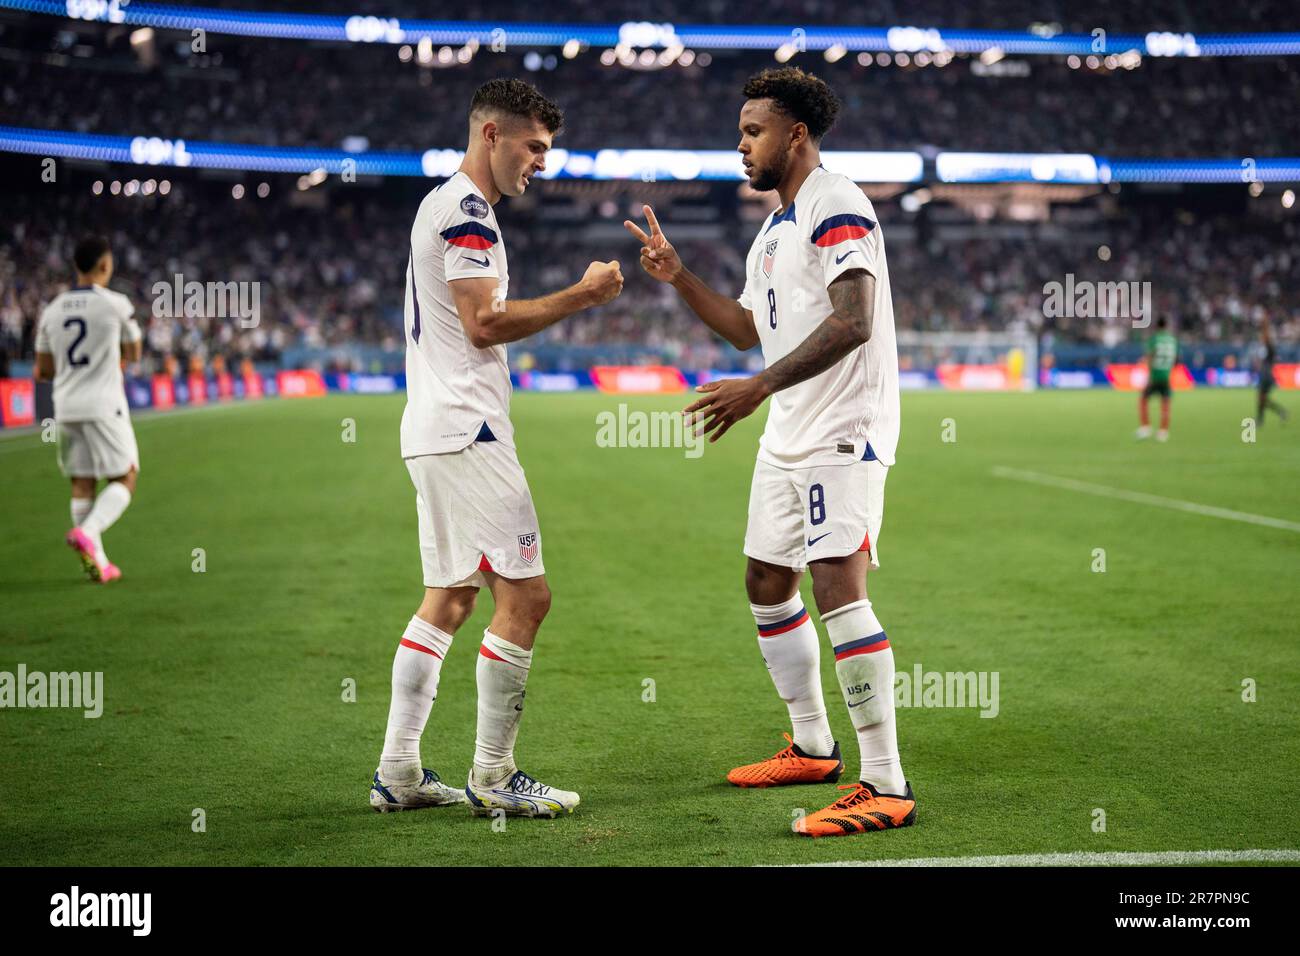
x=333, y=277
x=288, y=94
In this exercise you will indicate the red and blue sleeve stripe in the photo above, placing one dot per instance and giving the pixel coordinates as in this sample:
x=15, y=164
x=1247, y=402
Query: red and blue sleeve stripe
x=470, y=235
x=780, y=627
x=841, y=228
x=863, y=645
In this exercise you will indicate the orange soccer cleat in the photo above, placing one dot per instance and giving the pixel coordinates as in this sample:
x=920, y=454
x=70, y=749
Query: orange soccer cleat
x=789, y=766
x=861, y=810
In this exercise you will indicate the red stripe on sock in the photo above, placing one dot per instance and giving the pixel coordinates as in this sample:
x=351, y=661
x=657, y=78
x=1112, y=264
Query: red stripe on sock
x=788, y=627
x=419, y=647
x=482, y=649
x=883, y=645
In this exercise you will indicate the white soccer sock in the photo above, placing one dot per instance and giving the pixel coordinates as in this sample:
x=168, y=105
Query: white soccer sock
x=787, y=639
x=80, y=507
x=502, y=674
x=864, y=664
x=416, y=668
x=108, y=507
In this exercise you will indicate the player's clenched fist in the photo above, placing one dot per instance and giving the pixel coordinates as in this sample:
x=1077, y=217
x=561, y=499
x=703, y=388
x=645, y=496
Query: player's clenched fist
x=658, y=257
x=603, y=281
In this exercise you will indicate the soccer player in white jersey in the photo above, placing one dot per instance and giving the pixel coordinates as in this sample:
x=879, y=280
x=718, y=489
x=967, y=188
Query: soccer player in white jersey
x=477, y=524
x=817, y=300
x=84, y=337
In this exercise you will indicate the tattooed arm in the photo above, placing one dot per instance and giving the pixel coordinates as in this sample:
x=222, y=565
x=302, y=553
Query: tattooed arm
x=853, y=298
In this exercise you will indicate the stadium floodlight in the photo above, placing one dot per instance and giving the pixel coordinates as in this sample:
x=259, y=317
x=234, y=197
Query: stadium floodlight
x=653, y=35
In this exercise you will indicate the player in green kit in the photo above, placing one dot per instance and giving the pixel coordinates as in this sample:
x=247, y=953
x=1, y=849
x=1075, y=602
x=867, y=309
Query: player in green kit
x=1162, y=355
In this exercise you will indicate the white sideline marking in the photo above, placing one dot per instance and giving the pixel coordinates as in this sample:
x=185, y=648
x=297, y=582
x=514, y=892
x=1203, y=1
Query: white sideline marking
x=1167, y=858
x=1142, y=498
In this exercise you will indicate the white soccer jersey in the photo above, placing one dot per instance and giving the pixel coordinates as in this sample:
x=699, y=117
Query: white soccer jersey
x=829, y=229
x=452, y=388
x=84, y=329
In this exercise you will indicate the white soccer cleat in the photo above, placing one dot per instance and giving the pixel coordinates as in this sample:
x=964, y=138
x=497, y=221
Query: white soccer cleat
x=1143, y=433
x=428, y=792
x=518, y=794
x=1162, y=435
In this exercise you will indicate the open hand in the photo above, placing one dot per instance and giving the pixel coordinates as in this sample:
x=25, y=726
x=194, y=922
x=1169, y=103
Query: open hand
x=725, y=402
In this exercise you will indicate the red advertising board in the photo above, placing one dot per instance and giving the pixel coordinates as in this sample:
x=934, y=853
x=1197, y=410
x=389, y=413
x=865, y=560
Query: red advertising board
x=977, y=378
x=1287, y=375
x=164, y=391
x=17, y=402
x=304, y=383
x=638, y=378
x=1133, y=378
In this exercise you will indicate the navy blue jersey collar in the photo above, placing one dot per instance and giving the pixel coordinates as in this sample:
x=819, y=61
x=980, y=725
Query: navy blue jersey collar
x=787, y=216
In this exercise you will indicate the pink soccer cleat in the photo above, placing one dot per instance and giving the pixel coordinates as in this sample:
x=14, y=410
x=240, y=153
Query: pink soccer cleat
x=81, y=543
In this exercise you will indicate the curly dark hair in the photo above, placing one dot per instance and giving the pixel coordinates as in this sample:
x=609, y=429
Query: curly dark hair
x=517, y=98
x=88, y=253
x=801, y=96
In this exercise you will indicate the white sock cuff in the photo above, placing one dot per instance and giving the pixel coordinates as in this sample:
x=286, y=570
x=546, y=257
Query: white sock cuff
x=79, y=508
x=117, y=490
x=419, y=631
x=510, y=653
x=774, y=619
x=851, y=622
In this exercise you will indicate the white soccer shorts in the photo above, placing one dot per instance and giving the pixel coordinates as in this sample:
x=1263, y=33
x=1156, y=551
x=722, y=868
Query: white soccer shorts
x=475, y=514
x=800, y=515
x=100, y=448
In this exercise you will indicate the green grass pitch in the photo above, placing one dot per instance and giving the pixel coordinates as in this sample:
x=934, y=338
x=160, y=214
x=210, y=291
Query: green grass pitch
x=1119, y=691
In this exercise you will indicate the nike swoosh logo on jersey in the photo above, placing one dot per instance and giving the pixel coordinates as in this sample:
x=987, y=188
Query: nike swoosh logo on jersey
x=861, y=702
x=485, y=263
x=839, y=259
x=812, y=541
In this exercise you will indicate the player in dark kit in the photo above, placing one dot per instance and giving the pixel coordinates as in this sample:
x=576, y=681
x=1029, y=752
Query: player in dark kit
x=1266, y=378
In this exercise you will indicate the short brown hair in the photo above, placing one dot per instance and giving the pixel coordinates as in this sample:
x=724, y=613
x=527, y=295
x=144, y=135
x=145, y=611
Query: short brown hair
x=516, y=98
x=801, y=96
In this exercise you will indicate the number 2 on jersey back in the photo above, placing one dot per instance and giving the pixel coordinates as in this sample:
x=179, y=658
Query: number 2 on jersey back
x=73, y=358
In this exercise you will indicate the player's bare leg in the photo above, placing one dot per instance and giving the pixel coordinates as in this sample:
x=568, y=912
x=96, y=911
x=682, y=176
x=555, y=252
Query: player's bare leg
x=1163, y=433
x=1144, y=417
x=787, y=639
x=505, y=657
x=864, y=665
x=401, y=782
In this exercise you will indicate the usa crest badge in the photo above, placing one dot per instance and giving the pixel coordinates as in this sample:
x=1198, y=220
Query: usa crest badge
x=528, y=547
x=769, y=257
